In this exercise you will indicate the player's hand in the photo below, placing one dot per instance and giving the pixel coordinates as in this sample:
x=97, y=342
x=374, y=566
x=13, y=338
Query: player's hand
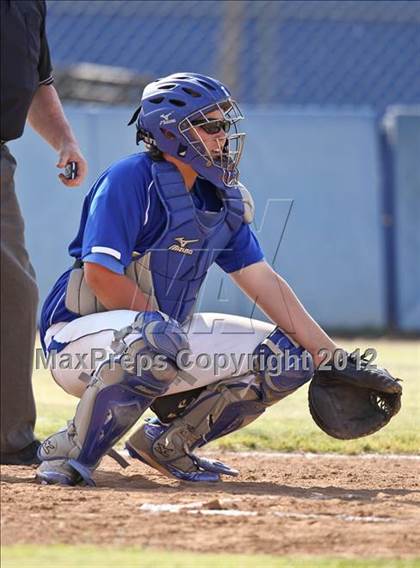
x=70, y=152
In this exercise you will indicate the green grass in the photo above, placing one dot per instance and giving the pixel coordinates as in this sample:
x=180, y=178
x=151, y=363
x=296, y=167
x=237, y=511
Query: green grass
x=89, y=556
x=287, y=426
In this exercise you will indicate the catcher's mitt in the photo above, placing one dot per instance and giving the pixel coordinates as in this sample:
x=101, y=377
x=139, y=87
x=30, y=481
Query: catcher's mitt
x=354, y=402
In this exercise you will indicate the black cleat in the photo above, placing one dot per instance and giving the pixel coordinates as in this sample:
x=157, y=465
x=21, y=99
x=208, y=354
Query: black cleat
x=26, y=456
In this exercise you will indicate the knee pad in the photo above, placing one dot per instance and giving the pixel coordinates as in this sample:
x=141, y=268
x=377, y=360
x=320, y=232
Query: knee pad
x=147, y=348
x=161, y=335
x=282, y=365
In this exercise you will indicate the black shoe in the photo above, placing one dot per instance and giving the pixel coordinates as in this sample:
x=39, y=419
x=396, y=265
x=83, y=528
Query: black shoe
x=26, y=456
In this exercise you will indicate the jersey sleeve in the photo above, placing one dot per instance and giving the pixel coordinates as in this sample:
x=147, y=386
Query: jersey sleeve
x=115, y=219
x=242, y=250
x=44, y=63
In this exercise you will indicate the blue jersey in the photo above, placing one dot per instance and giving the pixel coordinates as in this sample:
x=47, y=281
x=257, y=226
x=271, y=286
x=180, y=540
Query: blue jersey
x=123, y=214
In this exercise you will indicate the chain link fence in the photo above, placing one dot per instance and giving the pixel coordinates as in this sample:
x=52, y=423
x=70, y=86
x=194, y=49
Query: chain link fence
x=268, y=52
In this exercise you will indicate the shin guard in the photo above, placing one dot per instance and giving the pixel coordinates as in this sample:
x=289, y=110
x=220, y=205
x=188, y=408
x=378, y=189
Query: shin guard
x=118, y=394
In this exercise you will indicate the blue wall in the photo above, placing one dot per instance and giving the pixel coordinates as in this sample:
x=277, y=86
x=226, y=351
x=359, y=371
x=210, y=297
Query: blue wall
x=403, y=131
x=320, y=170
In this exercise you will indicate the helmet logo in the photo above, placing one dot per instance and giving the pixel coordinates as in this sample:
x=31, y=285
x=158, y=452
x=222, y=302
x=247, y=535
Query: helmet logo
x=166, y=119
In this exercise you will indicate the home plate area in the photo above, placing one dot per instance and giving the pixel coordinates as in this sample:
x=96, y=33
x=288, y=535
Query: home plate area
x=280, y=504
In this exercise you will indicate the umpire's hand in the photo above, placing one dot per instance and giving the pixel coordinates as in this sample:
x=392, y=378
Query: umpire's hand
x=70, y=152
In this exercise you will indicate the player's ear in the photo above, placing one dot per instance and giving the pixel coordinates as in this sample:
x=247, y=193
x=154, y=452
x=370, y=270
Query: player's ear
x=167, y=134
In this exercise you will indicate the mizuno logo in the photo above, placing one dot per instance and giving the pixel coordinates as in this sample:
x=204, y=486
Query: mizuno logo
x=182, y=245
x=184, y=242
x=166, y=119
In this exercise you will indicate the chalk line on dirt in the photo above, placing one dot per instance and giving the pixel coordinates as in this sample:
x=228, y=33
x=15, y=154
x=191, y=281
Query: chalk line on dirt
x=199, y=508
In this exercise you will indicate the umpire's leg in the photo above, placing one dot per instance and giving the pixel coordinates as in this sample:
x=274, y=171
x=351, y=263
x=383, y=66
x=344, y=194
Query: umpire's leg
x=19, y=299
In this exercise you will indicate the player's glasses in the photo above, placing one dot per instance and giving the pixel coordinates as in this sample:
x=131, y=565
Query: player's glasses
x=213, y=127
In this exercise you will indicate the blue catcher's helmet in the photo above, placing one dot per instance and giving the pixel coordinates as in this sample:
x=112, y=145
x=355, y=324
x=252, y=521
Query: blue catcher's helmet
x=173, y=111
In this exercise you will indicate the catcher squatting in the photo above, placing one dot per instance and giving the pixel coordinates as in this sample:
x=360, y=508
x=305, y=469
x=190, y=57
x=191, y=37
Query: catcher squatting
x=151, y=227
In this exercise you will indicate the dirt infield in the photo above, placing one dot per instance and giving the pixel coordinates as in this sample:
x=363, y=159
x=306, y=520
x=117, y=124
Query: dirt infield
x=280, y=504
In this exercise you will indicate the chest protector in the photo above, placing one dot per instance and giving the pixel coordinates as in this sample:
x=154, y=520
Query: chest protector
x=170, y=273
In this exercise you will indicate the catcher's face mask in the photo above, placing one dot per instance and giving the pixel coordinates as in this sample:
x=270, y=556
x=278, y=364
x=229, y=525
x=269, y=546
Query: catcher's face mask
x=213, y=133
